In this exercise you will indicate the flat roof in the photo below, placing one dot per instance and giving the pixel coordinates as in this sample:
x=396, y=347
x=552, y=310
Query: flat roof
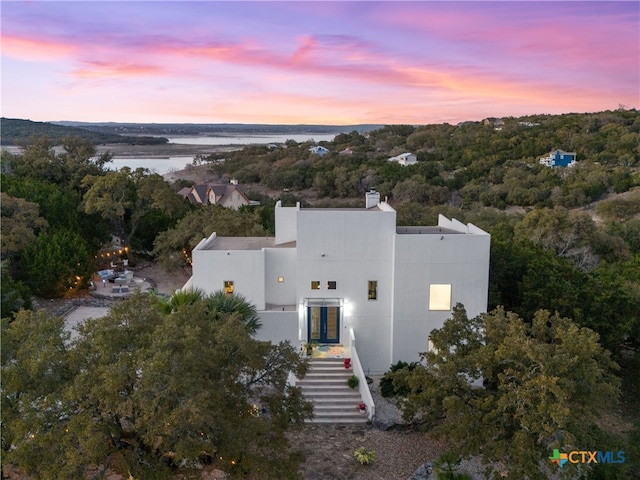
x=246, y=243
x=375, y=208
x=425, y=231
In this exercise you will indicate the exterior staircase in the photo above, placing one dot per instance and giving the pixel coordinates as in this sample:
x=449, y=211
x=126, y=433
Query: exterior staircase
x=325, y=384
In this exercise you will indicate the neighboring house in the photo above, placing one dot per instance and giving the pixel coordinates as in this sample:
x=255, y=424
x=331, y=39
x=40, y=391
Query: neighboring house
x=335, y=275
x=404, y=159
x=229, y=195
x=559, y=158
x=346, y=151
x=319, y=150
x=496, y=122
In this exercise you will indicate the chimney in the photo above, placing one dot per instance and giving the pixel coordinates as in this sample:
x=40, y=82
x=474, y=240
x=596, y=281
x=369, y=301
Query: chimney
x=372, y=199
x=233, y=181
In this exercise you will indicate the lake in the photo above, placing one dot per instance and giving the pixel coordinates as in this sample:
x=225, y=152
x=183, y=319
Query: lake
x=249, y=139
x=167, y=164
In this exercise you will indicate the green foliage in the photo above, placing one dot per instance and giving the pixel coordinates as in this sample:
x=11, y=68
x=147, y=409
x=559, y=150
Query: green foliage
x=172, y=246
x=148, y=393
x=126, y=197
x=365, y=456
x=446, y=465
x=20, y=224
x=58, y=262
x=387, y=388
x=511, y=392
x=353, y=381
x=15, y=295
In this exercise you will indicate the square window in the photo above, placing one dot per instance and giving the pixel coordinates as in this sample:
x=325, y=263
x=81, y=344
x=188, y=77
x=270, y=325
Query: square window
x=315, y=285
x=280, y=279
x=331, y=285
x=372, y=288
x=439, y=297
x=228, y=287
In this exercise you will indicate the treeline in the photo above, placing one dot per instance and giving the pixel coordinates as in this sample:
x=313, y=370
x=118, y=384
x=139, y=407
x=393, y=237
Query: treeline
x=60, y=209
x=475, y=162
x=20, y=132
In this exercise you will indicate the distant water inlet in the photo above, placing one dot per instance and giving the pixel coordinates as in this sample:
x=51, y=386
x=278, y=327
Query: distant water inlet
x=250, y=139
x=166, y=164
x=160, y=165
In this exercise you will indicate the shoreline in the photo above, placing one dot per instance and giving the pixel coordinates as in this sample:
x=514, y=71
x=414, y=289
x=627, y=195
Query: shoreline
x=167, y=150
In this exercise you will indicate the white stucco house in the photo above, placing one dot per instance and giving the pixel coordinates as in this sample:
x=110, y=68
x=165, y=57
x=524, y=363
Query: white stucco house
x=404, y=159
x=332, y=275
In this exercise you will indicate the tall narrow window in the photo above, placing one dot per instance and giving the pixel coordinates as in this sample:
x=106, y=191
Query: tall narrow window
x=372, y=288
x=228, y=287
x=439, y=297
x=315, y=285
x=331, y=285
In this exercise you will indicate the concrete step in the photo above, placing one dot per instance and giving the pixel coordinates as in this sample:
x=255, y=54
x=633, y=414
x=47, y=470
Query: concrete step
x=357, y=418
x=325, y=385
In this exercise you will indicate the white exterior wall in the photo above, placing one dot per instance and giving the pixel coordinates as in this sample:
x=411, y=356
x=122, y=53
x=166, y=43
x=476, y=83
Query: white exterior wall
x=352, y=247
x=280, y=262
x=286, y=223
x=244, y=267
x=459, y=260
x=358, y=247
x=278, y=327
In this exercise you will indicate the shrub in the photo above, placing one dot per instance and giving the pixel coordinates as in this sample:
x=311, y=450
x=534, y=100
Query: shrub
x=364, y=456
x=353, y=381
x=386, y=382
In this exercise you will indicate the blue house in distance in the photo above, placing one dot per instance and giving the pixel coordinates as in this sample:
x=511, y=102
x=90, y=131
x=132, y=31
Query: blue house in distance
x=559, y=158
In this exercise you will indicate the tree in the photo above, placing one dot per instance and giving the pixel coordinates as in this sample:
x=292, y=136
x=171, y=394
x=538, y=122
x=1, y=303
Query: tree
x=148, y=392
x=21, y=224
x=15, y=295
x=174, y=246
x=58, y=262
x=126, y=196
x=511, y=392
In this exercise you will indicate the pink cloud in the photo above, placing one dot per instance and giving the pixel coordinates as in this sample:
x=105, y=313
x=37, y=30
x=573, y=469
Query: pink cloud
x=36, y=49
x=98, y=69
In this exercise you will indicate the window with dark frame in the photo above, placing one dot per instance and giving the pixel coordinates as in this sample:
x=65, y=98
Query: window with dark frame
x=315, y=285
x=332, y=285
x=228, y=287
x=372, y=287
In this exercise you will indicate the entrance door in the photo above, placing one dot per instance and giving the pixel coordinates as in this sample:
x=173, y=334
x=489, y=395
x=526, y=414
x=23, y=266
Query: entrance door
x=324, y=324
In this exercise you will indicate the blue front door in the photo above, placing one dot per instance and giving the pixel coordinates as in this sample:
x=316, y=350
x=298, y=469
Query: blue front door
x=323, y=324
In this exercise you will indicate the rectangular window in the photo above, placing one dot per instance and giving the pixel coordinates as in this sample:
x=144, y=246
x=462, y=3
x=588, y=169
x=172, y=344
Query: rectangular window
x=372, y=288
x=228, y=287
x=439, y=297
x=315, y=285
x=331, y=285
x=280, y=279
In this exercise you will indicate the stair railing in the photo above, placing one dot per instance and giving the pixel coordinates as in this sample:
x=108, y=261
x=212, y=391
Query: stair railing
x=363, y=386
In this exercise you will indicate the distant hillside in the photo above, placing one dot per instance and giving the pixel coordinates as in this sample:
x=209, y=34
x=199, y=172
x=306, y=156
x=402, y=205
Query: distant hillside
x=216, y=128
x=14, y=131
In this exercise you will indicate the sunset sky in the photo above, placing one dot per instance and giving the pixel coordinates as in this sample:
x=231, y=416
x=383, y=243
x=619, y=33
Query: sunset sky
x=316, y=62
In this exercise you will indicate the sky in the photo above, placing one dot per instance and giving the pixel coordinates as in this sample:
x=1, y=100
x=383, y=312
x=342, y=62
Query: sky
x=325, y=62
